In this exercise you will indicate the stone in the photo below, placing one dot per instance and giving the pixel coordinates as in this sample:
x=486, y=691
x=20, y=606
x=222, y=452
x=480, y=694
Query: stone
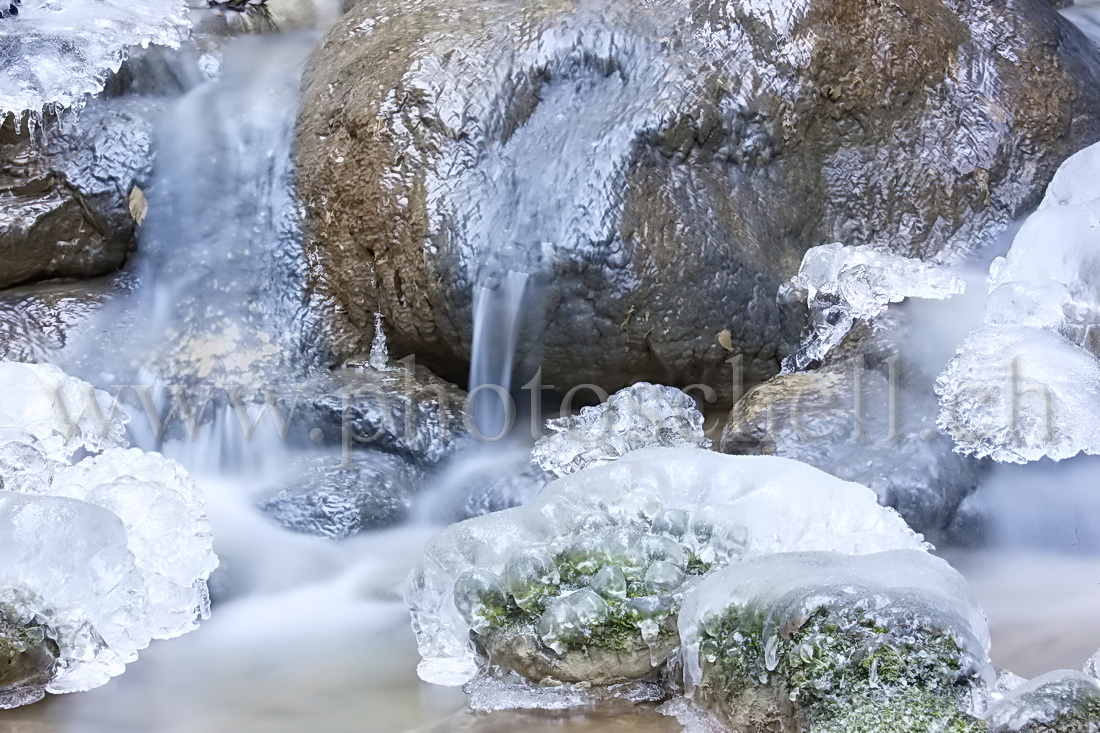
x=37, y=320
x=28, y=660
x=660, y=169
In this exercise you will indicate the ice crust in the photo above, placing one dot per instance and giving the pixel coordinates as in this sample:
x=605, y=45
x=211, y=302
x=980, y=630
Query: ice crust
x=1024, y=384
x=638, y=416
x=689, y=501
x=1064, y=701
x=107, y=546
x=54, y=52
x=842, y=285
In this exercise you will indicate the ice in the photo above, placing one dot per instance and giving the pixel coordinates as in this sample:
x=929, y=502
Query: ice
x=54, y=52
x=104, y=547
x=842, y=637
x=1092, y=666
x=1023, y=385
x=636, y=417
x=1063, y=701
x=843, y=285
x=656, y=516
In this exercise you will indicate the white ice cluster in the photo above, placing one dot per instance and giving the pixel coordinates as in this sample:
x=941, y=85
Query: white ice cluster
x=54, y=52
x=843, y=285
x=640, y=416
x=108, y=547
x=1024, y=385
x=659, y=517
x=1064, y=701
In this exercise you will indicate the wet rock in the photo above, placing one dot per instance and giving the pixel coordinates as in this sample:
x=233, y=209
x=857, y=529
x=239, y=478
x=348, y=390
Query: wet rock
x=65, y=192
x=28, y=659
x=660, y=171
x=37, y=320
x=337, y=497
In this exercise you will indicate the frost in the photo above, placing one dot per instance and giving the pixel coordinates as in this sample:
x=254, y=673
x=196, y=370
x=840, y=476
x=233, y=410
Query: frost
x=542, y=586
x=103, y=553
x=1057, y=702
x=1025, y=383
x=639, y=416
x=54, y=52
x=855, y=643
x=843, y=285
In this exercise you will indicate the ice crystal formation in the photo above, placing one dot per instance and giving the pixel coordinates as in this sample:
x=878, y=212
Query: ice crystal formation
x=55, y=52
x=639, y=416
x=832, y=643
x=105, y=547
x=584, y=582
x=844, y=285
x=1024, y=385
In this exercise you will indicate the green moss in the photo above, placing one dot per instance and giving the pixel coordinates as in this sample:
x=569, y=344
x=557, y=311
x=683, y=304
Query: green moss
x=696, y=566
x=907, y=710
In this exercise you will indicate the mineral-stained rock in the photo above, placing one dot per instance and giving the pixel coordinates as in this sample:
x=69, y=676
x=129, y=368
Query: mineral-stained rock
x=660, y=168
x=65, y=191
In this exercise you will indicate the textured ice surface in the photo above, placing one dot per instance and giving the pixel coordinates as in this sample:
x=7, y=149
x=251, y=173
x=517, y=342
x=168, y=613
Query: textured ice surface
x=107, y=552
x=53, y=52
x=1025, y=383
x=639, y=416
x=1057, y=702
x=843, y=285
x=694, y=508
x=844, y=638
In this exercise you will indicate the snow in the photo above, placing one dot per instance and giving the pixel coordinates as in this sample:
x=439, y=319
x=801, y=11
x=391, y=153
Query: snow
x=1024, y=383
x=639, y=416
x=54, y=52
x=107, y=546
x=648, y=509
x=842, y=285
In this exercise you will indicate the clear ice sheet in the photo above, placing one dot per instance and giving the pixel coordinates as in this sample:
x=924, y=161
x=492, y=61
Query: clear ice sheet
x=54, y=52
x=718, y=506
x=1025, y=383
x=106, y=546
x=843, y=285
x=638, y=416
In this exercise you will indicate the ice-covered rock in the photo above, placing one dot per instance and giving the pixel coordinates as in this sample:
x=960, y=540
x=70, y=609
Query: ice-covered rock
x=1023, y=385
x=104, y=547
x=55, y=52
x=842, y=285
x=639, y=416
x=1058, y=702
x=583, y=583
x=824, y=642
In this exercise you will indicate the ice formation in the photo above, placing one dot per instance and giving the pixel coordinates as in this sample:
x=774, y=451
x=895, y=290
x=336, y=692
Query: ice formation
x=892, y=640
x=1024, y=384
x=1057, y=702
x=584, y=582
x=844, y=285
x=639, y=416
x=105, y=547
x=54, y=52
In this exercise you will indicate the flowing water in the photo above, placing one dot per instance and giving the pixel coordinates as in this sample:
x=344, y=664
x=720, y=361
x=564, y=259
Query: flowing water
x=308, y=634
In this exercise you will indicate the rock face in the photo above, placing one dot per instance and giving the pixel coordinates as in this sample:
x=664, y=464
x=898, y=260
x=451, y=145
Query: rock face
x=65, y=199
x=659, y=169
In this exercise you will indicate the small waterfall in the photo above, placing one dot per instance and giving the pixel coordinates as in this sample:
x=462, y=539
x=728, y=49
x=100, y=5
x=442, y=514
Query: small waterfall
x=497, y=320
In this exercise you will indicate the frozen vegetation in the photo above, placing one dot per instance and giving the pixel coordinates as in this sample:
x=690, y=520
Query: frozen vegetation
x=1057, y=702
x=583, y=584
x=1025, y=383
x=105, y=547
x=843, y=285
x=824, y=642
x=640, y=416
x=51, y=57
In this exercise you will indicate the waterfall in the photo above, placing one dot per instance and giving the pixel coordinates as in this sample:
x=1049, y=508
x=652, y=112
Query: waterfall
x=497, y=320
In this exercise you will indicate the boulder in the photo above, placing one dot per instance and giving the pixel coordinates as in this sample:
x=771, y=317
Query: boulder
x=658, y=170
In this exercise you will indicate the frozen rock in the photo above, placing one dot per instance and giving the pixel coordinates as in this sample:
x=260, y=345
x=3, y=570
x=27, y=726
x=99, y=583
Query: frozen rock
x=101, y=554
x=639, y=416
x=826, y=642
x=1024, y=383
x=844, y=285
x=1057, y=702
x=37, y=320
x=54, y=54
x=336, y=497
x=657, y=516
